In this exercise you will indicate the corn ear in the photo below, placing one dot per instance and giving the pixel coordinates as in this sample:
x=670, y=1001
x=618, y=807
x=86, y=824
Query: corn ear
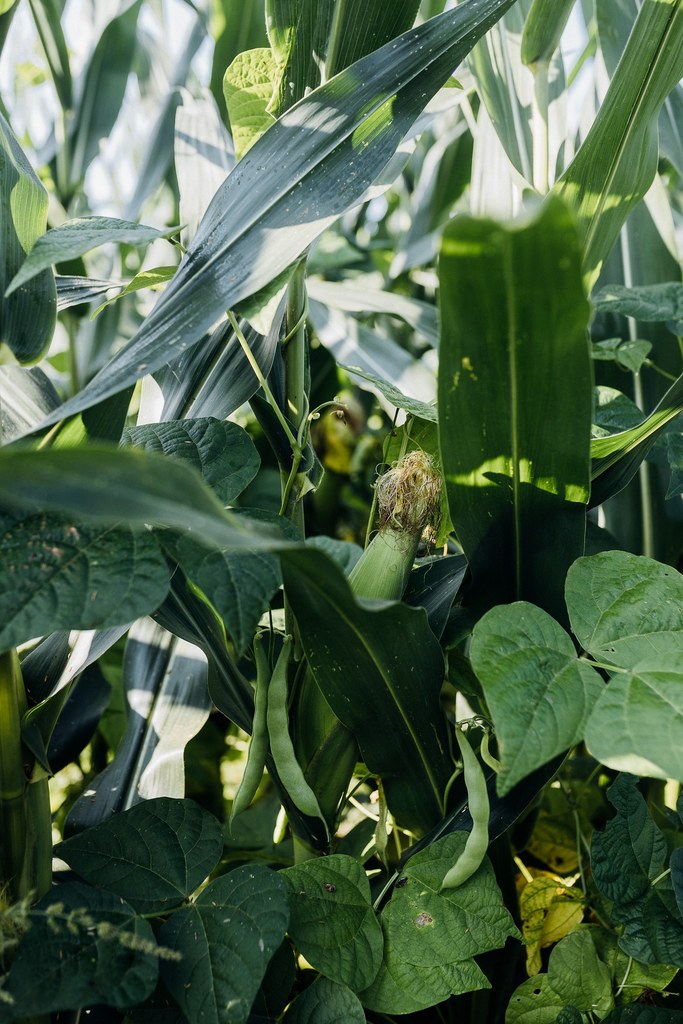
x=383, y=568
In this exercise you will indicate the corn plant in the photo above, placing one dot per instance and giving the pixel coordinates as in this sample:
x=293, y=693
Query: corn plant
x=341, y=646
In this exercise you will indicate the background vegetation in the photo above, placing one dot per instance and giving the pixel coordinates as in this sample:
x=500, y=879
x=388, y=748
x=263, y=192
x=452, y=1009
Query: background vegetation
x=275, y=284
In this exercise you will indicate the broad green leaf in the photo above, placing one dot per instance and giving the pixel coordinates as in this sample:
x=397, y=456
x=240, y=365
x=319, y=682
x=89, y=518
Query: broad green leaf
x=539, y=694
x=431, y=936
x=655, y=977
x=625, y=608
x=616, y=163
x=102, y=88
x=236, y=25
x=145, y=279
x=366, y=657
x=549, y=910
x=578, y=975
x=89, y=948
x=627, y=859
x=27, y=320
x=514, y=402
x=60, y=574
x=226, y=937
x=332, y=921
x=360, y=27
x=238, y=586
x=298, y=32
x=534, y=1002
x=325, y=1002
x=222, y=452
x=644, y=1015
x=77, y=237
x=124, y=485
x=651, y=303
x=394, y=396
x=637, y=724
x=26, y=396
x=154, y=855
x=73, y=291
x=248, y=87
x=629, y=354
x=281, y=188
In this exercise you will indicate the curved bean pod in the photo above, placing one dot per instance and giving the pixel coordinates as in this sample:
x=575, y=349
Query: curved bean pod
x=258, y=745
x=281, y=747
x=478, y=800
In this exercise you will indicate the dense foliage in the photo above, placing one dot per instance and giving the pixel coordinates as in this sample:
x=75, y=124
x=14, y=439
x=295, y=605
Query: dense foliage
x=341, y=632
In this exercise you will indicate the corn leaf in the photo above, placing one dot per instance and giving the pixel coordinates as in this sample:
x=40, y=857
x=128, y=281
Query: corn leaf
x=617, y=162
x=27, y=319
x=376, y=662
x=317, y=161
x=514, y=402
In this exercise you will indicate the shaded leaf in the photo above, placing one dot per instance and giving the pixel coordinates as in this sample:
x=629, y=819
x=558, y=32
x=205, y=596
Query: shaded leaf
x=153, y=855
x=64, y=963
x=394, y=396
x=578, y=975
x=226, y=937
x=332, y=920
x=222, y=452
x=366, y=658
x=325, y=1002
x=651, y=303
x=514, y=402
x=27, y=320
x=56, y=574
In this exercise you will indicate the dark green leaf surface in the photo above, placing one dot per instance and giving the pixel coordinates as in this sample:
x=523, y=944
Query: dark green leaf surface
x=431, y=936
x=325, y=1002
x=393, y=395
x=625, y=608
x=578, y=975
x=153, y=855
x=315, y=163
x=627, y=857
x=514, y=402
x=226, y=937
x=77, y=237
x=652, y=303
x=57, y=574
x=539, y=694
x=27, y=320
x=534, y=1002
x=222, y=452
x=376, y=662
x=60, y=967
x=644, y=1015
x=124, y=485
x=332, y=921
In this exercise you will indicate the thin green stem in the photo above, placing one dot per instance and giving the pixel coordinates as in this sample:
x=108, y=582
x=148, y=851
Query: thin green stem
x=602, y=664
x=625, y=978
x=661, y=877
x=261, y=379
x=335, y=39
x=658, y=369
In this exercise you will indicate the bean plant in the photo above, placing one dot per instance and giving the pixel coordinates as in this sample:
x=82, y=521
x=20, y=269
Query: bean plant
x=341, y=632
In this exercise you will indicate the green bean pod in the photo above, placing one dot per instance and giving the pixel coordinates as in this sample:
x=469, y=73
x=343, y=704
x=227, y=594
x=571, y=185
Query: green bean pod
x=477, y=843
x=258, y=745
x=281, y=747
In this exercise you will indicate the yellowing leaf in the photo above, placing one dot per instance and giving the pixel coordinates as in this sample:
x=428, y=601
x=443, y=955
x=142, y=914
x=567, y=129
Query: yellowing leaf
x=248, y=87
x=549, y=910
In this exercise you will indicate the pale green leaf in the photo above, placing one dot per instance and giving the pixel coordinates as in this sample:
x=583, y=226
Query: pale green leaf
x=637, y=724
x=394, y=396
x=248, y=87
x=325, y=1002
x=538, y=693
x=152, y=279
x=625, y=608
x=578, y=975
x=617, y=161
x=534, y=1002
